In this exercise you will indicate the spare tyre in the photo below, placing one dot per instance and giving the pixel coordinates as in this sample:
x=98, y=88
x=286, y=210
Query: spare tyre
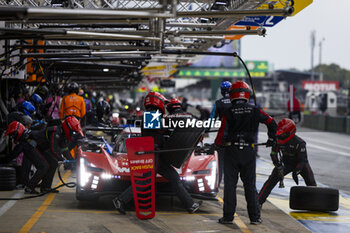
x=7, y=178
x=313, y=198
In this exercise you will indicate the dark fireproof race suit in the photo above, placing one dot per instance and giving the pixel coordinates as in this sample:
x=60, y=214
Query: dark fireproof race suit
x=52, y=143
x=239, y=125
x=294, y=157
x=163, y=168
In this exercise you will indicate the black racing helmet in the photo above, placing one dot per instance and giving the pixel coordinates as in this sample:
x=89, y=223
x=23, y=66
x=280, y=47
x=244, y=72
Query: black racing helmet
x=43, y=91
x=73, y=88
x=102, y=108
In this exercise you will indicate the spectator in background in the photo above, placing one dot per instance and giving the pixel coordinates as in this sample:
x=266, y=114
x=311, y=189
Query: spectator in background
x=294, y=110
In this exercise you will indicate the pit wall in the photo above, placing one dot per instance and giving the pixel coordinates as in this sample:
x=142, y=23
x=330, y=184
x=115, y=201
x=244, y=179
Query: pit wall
x=339, y=124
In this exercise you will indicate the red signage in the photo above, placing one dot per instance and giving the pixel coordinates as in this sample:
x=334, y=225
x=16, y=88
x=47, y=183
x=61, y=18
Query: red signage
x=320, y=85
x=142, y=175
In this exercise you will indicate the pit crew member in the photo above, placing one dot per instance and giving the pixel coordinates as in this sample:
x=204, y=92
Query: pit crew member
x=237, y=131
x=294, y=159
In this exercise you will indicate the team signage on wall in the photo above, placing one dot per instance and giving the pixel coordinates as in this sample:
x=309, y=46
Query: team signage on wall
x=258, y=69
x=320, y=86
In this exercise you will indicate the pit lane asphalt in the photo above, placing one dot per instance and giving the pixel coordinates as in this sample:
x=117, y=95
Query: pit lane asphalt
x=63, y=213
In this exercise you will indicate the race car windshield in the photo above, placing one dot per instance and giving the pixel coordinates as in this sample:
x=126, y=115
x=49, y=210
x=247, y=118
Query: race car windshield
x=120, y=142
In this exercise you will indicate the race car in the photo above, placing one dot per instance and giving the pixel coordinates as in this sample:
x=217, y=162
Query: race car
x=102, y=173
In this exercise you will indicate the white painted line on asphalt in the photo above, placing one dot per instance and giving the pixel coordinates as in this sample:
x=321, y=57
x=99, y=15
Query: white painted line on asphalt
x=327, y=149
x=328, y=143
x=263, y=137
x=9, y=204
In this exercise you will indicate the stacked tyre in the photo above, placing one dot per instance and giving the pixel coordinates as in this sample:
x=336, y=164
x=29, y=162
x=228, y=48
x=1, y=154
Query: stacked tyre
x=7, y=178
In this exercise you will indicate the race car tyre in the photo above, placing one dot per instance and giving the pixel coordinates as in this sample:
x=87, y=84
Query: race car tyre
x=313, y=198
x=7, y=178
x=81, y=196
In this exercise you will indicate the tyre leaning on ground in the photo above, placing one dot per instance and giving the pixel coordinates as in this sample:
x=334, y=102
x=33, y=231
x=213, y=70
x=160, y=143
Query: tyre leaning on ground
x=7, y=178
x=313, y=198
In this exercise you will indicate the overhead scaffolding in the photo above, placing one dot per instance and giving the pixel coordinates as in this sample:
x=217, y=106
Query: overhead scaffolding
x=95, y=31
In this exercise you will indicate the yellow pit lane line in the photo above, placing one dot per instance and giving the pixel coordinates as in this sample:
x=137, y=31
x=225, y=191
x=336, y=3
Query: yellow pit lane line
x=345, y=202
x=237, y=220
x=35, y=217
x=319, y=216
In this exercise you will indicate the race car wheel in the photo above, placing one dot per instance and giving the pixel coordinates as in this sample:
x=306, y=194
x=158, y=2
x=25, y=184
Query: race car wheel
x=314, y=198
x=82, y=196
x=7, y=178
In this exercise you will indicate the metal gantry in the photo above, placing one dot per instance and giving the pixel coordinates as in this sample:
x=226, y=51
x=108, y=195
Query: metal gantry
x=99, y=29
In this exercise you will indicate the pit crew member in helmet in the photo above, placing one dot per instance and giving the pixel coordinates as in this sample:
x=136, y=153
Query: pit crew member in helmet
x=217, y=113
x=103, y=108
x=238, y=127
x=155, y=101
x=36, y=99
x=55, y=142
x=294, y=159
x=21, y=137
x=72, y=104
x=174, y=106
x=99, y=117
x=27, y=108
x=43, y=91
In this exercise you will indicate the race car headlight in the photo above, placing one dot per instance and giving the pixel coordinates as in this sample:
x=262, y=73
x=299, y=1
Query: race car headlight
x=188, y=178
x=212, y=177
x=83, y=172
x=106, y=176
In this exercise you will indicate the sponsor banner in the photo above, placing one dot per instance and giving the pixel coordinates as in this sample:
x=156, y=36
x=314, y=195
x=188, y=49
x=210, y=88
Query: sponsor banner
x=320, y=86
x=258, y=66
x=259, y=21
x=207, y=73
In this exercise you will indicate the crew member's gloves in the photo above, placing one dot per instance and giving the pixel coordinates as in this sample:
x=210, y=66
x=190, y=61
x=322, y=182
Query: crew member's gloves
x=270, y=142
x=33, y=143
x=280, y=172
x=213, y=147
x=295, y=176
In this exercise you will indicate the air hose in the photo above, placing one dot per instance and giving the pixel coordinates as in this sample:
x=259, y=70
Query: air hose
x=248, y=73
x=69, y=185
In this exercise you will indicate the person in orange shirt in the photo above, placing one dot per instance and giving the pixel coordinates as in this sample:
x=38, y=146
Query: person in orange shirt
x=72, y=104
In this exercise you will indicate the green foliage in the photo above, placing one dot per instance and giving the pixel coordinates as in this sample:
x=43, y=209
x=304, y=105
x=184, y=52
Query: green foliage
x=335, y=73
